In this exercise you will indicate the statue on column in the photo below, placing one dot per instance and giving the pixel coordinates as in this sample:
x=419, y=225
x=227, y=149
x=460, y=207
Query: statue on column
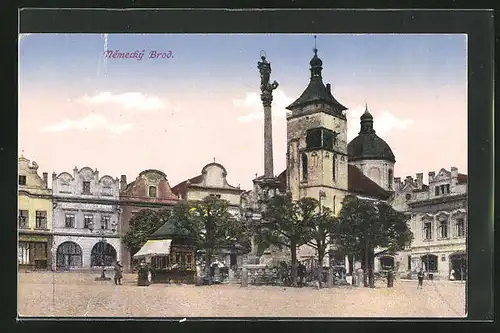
x=267, y=88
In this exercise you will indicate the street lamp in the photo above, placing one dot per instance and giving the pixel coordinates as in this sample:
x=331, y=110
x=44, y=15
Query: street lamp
x=102, y=233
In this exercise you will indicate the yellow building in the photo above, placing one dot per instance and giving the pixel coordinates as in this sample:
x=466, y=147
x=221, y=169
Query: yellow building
x=34, y=216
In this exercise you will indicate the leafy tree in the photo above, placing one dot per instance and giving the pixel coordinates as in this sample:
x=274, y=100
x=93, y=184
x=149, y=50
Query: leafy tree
x=142, y=225
x=287, y=223
x=322, y=228
x=210, y=224
x=363, y=225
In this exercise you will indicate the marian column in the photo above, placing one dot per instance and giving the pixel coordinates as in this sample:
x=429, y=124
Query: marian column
x=266, y=96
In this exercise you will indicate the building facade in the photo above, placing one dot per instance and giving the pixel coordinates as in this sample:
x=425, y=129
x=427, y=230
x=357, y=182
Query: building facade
x=438, y=222
x=212, y=182
x=86, y=218
x=34, y=217
x=150, y=190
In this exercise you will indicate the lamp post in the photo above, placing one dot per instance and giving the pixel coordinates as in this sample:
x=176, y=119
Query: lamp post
x=102, y=233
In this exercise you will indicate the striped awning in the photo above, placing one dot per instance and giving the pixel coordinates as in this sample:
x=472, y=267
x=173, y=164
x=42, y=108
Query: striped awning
x=160, y=247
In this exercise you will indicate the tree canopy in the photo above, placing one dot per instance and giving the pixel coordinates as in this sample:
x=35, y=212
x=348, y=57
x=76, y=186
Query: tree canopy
x=363, y=225
x=142, y=225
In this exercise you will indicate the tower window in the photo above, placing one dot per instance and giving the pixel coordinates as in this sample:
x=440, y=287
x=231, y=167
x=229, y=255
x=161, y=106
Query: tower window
x=304, y=167
x=313, y=139
x=389, y=179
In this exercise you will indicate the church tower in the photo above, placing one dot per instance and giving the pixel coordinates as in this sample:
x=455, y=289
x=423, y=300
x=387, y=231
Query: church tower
x=372, y=155
x=317, y=143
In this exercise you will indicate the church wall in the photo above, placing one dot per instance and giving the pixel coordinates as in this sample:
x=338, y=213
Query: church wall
x=378, y=171
x=202, y=193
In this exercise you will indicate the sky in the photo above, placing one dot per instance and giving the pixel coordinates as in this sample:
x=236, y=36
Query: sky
x=79, y=106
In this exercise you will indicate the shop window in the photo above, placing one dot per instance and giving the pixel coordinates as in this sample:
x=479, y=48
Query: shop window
x=41, y=219
x=430, y=262
x=69, y=255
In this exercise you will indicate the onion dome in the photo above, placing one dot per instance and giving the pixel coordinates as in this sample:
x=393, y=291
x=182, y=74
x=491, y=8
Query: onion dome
x=368, y=145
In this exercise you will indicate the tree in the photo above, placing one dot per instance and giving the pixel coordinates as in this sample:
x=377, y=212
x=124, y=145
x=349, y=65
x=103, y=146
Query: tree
x=322, y=227
x=210, y=224
x=364, y=225
x=286, y=223
x=142, y=225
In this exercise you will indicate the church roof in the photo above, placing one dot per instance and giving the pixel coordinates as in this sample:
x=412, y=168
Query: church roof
x=182, y=186
x=316, y=91
x=368, y=145
x=358, y=183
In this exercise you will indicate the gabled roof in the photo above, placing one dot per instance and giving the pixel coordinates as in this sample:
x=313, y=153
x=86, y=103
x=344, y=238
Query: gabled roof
x=181, y=187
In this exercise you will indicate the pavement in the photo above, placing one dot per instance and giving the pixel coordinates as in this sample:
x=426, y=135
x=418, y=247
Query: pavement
x=47, y=294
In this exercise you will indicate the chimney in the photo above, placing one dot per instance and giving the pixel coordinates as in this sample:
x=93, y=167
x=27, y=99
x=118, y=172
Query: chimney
x=420, y=180
x=123, y=182
x=397, y=182
x=45, y=179
x=431, y=176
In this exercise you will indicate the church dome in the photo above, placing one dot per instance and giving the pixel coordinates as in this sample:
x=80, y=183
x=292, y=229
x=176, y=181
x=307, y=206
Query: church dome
x=316, y=61
x=368, y=145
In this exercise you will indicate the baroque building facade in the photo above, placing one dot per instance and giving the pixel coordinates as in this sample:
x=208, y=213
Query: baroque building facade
x=213, y=182
x=438, y=222
x=150, y=190
x=86, y=218
x=34, y=216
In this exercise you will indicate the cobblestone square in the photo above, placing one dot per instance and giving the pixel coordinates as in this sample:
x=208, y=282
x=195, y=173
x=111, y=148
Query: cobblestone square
x=46, y=294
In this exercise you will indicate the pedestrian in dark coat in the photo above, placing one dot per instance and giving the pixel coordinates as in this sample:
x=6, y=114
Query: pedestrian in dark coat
x=118, y=273
x=420, y=277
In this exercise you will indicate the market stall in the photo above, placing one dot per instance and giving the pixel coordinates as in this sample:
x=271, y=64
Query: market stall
x=170, y=253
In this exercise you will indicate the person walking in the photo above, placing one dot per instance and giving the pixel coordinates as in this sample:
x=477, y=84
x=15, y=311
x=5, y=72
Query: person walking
x=420, y=277
x=118, y=273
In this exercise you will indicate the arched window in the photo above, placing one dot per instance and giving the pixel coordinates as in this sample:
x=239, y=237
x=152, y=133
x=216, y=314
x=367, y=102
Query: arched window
x=389, y=179
x=69, y=255
x=304, y=167
x=152, y=191
x=103, y=254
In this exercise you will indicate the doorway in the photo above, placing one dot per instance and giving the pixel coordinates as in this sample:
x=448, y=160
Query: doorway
x=458, y=263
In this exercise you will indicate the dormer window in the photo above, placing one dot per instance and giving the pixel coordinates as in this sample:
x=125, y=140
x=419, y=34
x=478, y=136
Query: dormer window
x=22, y=180
x=86, y=188
x=152, y=191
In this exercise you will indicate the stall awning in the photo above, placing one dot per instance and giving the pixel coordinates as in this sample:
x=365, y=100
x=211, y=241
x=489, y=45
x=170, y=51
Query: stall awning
x=153, y=248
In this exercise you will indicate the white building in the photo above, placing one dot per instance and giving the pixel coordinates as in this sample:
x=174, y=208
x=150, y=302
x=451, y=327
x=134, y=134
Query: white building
x=85, y=209
x=438, y=222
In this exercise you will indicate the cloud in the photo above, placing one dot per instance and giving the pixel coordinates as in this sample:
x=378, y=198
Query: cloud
x=91, y=122
x=129, y=101
x=23, y=36
x=253, y=104
x=383, y=122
